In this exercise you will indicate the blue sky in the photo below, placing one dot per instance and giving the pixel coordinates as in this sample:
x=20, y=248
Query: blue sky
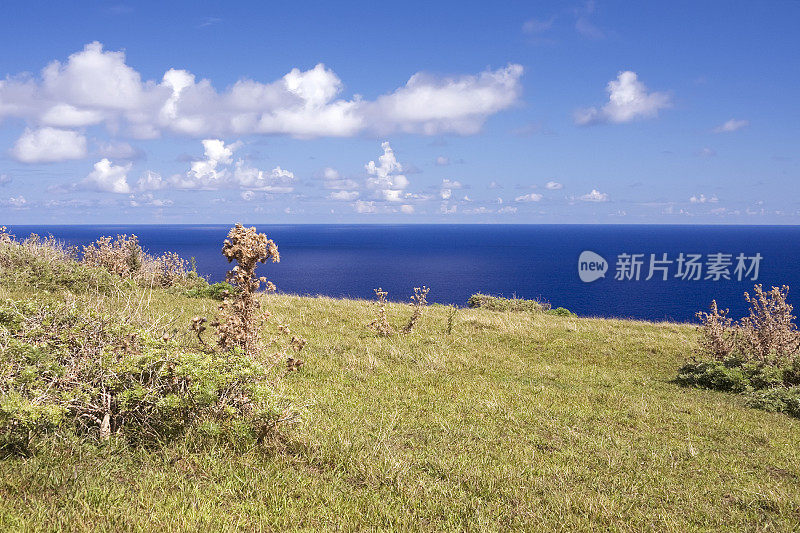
x=414, y=112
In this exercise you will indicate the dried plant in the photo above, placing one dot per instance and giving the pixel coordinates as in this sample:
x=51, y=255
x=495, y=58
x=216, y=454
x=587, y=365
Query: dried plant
x=240, y=316
x=170, y=268
x=5, y=236
x=418, y=303
x=769, y=333
x=121, y=256
x=718, y=333
x=381, y=324
x=452, y=310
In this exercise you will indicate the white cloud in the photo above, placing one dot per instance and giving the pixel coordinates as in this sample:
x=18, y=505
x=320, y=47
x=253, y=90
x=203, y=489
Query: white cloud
x=364, y=207
x=447, y=209
x=595, y=196
x=387, y=180
x=247, y=196
x=495, y=185
x=628, y=100
x=118, y=150
x=701, y=199
x=151, y=181
x=68, y=116
x=348, y=196
x=507, y=210
x=407, y=209
x=217, y=170
x=442, y=161
x=148, y=199
x=706, y=152
x=94, y=78
x=333, y=180
x=731, y=125
x=96, y=86
x=532, y=197
x=49, y=145
x=432, y=106
x=446, y=189
x=108, y=177
x=5, y=179
x=17, y=201
x=553, y=186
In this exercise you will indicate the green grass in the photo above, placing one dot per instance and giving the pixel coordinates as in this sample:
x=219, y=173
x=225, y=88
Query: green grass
x=515, y=421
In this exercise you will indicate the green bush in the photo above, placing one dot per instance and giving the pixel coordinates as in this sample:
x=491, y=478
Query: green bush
x=215, y=291
x=498, y=303
x=777, y=400
x=74, y=373
x=560, y=311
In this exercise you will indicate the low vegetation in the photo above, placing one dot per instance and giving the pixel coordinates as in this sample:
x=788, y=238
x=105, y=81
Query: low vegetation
x=479, y=419
x=498, y=303
x=758, y=356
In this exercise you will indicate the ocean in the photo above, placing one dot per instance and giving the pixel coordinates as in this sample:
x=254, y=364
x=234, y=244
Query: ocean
x=650, y=272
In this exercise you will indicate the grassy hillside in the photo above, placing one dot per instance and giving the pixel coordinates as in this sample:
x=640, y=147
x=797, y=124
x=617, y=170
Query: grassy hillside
x=516, y=420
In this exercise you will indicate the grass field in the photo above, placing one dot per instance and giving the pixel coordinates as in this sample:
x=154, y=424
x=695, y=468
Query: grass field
x=514, y=421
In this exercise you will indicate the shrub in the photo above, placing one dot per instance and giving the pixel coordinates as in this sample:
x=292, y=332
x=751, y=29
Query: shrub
x=759, y=355
x=121, y=256
x=560, y=311
x=215, y=291
x=498, y=303
x=769, y=333
x=74, y=372
x=777, y=400
x=718, y=335
x=48, y=265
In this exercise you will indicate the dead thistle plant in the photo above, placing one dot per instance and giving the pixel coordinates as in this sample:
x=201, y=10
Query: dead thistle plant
x=418, y=303
x=718, y=334
x=381, y=324
x=769, y=333
x=240, y=316
x=121, y=256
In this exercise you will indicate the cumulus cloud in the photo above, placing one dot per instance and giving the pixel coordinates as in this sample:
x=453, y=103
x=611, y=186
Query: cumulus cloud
x=118, y=150
x=432, y=106
x=442, y=161
x=731, y=125
x=446, y=189
x=108, y=177
x=386, y=178
x=148, y=199
x=532, y=197
x=701, y=199
x=49, y=145
x=407, y=209
x=217, y=170
x=97, y=86
x=628, y=99
x=334, y=181
x=595, y=196
x=364, y=207
x=5, y=179
x=17, y=201
x=348, y=196
x=507, y=210
x=553, y=186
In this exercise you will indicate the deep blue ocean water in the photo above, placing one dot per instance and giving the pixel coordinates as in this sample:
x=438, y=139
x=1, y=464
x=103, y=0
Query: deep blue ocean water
x=527, y=261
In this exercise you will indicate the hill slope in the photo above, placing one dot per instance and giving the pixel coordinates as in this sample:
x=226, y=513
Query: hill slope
x=515, y=420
